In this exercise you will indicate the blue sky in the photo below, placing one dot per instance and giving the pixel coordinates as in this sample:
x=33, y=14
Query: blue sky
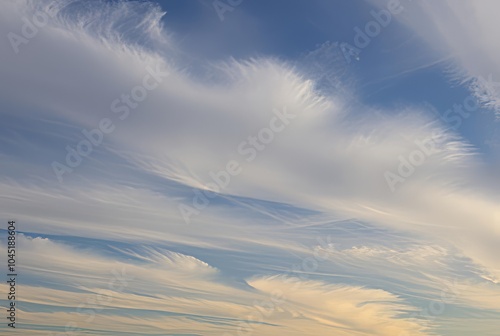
x=178, y=170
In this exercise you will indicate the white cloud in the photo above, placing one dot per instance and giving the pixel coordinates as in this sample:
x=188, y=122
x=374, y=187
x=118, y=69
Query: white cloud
x=331, y=158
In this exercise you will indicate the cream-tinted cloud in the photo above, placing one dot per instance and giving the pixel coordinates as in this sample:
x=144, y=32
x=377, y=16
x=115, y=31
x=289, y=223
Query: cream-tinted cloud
x=169, y=292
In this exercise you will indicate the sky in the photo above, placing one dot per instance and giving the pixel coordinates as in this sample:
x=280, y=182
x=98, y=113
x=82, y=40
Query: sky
x=251, y=167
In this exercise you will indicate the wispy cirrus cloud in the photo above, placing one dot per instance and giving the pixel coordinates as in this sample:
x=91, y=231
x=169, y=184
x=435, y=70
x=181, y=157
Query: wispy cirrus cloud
x=326, y=167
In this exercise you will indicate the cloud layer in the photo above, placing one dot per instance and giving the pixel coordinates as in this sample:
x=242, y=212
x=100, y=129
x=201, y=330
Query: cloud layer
x=209, y=183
